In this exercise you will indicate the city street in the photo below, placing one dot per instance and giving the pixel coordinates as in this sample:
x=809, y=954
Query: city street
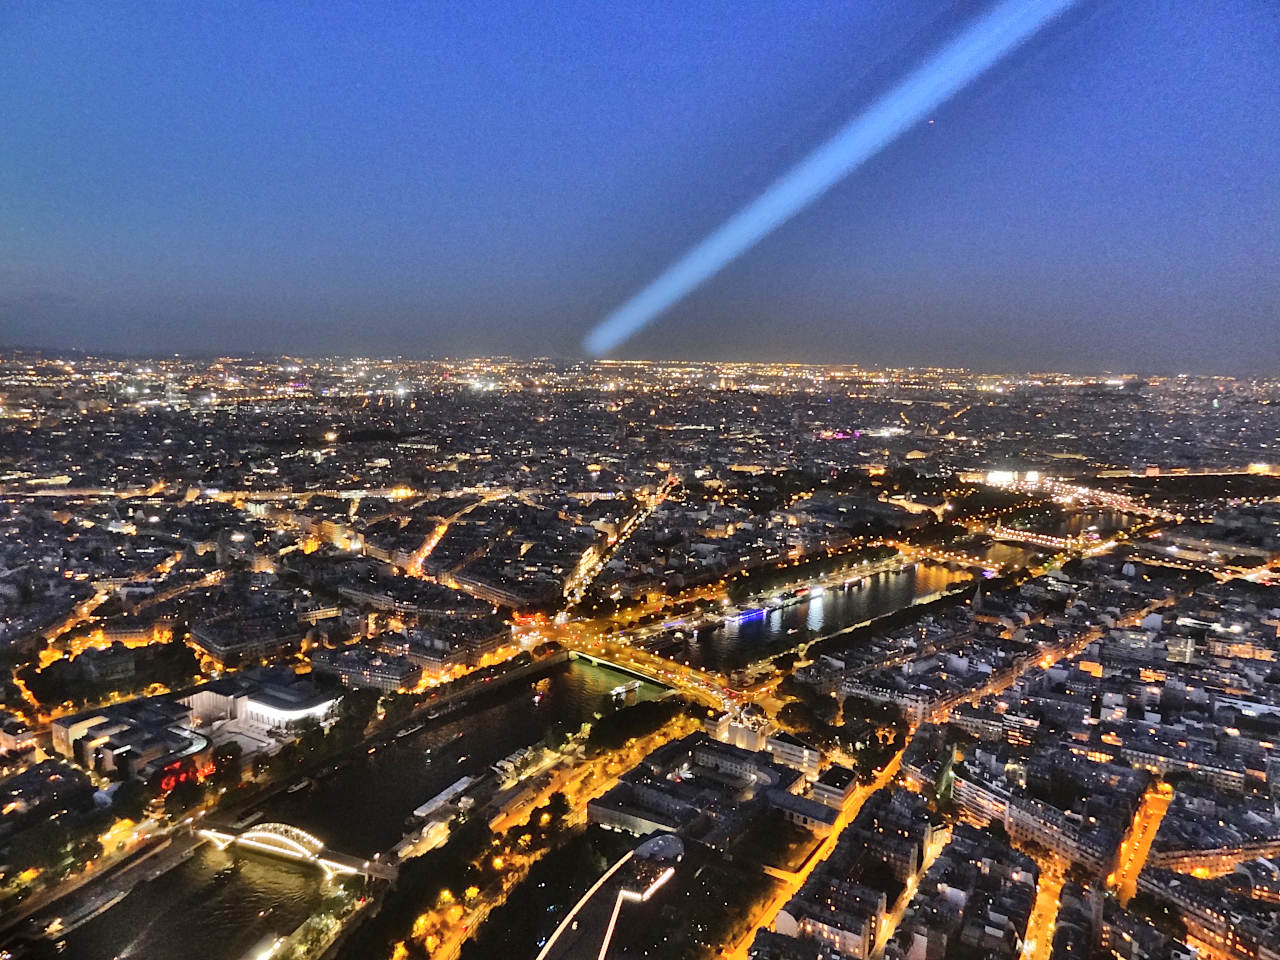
x=1136, y=846
x=1038, y=943
x=788, y=887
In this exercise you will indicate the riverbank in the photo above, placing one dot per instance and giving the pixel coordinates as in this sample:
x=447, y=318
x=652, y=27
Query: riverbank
x=227, y=902
x=122, y=877
x=148, y=862
x=443, y=897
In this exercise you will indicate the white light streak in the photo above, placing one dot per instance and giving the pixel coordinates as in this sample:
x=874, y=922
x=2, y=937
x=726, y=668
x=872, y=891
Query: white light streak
x=978, y=48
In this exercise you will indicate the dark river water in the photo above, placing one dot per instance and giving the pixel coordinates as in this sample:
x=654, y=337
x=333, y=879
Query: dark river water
x=757, y=634
x=217, y=905
x=1102, y=522
x=221, y=905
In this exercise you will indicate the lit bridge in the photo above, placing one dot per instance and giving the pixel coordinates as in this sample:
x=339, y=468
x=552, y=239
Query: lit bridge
x=1036, y=539
x=638, y=663
x=282, y=840
x=630, y=669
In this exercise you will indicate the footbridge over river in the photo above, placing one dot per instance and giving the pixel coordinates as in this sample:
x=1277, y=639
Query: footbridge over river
x=283, y=840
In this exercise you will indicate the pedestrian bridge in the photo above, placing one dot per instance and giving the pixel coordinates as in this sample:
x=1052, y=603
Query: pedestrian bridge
x=283, y=840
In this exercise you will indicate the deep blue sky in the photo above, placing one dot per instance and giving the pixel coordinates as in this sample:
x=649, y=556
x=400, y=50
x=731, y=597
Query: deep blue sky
x=490, y=177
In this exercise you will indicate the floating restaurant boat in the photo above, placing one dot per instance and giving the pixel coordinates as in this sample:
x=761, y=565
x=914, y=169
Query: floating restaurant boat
x=622, y=689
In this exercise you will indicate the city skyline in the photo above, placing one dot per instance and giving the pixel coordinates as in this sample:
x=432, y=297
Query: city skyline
x=994, y=370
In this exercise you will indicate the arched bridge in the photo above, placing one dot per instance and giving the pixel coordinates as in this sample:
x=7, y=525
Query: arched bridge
x=289, y=842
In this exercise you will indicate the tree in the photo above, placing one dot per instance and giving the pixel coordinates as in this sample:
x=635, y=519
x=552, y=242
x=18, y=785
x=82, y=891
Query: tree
x=130, y=800
x=789, y=686
x=42, y=847
x=284, y=762
x=1078, y=873
x=261, y=764
x=310, y=736
x=87, y=848
x=826, y=709
x=355, y=710
x=558, y=735
x=615, y=729
x=996, y=830
x=227, y=764
x=398, y=706
x=798, y=715
x=558, y=807
x=785, y=661
x=185, y=795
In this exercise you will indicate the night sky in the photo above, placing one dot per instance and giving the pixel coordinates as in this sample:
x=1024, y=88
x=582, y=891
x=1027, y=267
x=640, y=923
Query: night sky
x=465, y=178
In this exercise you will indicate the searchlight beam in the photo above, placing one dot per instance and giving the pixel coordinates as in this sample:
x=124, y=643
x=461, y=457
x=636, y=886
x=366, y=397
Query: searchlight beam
x=981, y=45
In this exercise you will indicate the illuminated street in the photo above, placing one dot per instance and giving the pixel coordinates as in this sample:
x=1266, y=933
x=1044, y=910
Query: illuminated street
x=1038, y=943
x=789, y=883
x=1136, y=846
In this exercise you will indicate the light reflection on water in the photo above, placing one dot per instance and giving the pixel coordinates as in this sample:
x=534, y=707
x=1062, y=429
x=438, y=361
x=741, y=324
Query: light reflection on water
x=741, y=641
